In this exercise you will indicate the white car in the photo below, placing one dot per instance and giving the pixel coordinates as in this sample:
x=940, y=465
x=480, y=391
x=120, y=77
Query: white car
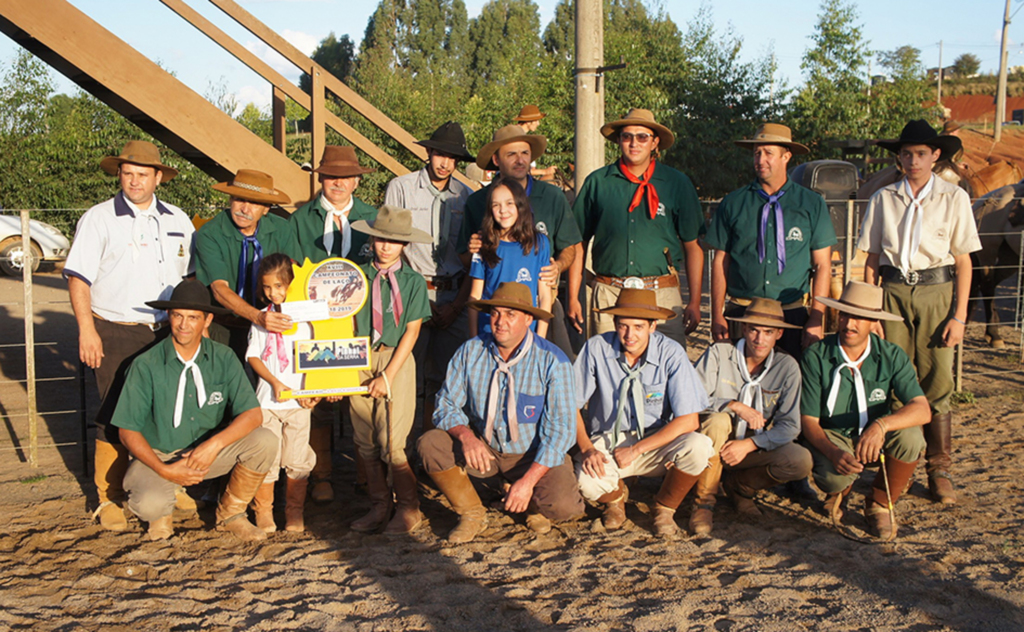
x=47, y=243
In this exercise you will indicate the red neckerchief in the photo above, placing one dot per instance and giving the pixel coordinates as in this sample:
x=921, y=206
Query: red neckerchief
x=645, y=187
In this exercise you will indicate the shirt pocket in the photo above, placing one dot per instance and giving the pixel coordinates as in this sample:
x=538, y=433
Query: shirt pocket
x=177, y=250
x=215, y=406
x=529, y=408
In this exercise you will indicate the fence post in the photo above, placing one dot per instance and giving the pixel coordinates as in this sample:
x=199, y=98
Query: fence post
x=848, y=246
x=27, y=264
x=83, y=420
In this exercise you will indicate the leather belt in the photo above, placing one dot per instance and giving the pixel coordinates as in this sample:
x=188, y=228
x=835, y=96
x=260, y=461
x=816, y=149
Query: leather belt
x=443, y=284
x=639, y=283
x=150, y=326
x=931, y=276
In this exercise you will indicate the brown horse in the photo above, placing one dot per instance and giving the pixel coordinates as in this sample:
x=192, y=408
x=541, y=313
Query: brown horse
x=1000, y=217
x=976, y=183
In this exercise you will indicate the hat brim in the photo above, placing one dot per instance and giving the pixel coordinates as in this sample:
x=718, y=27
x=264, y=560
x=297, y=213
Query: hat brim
x=167, y=305
x=854, y=310
x=764, y=322
x=277, y=197
x=797, y=149
x=529, y=118
x=665, y=135
x=638, y=311
x=485, y=306
x=343, y=171
x=948, y=145
x=537, y=144
x=417, y=237
x=110, y=164
x=459, y=153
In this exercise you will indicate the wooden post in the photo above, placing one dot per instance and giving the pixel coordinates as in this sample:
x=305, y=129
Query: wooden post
x=280, y=120
x=27, y=262
x=1001, y=89
x=848, y=245
x=317, y=132
x=589, y=154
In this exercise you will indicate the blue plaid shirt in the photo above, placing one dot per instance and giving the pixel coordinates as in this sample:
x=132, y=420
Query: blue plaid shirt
x=545, y=399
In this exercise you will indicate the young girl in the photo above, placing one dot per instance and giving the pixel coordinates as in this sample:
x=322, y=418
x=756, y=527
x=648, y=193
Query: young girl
x=271, y=357
x=511, y=250
x=391, y=318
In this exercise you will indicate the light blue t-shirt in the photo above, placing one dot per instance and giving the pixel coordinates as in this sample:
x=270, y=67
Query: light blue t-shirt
x=513, y=266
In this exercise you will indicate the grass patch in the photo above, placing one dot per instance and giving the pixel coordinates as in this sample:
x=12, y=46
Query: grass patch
x=33, y=479
x=963, y=398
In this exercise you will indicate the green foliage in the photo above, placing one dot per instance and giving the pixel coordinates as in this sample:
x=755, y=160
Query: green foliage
x=336, y=55
x=966, y=65
x=902, y=98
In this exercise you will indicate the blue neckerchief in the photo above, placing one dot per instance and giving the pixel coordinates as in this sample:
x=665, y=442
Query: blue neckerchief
x=247, y=281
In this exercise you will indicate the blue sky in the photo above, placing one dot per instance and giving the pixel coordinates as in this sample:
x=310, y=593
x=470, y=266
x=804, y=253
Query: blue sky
x=785, y=26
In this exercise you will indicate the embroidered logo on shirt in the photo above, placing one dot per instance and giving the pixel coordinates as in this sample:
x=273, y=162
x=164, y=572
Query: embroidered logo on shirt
x=181, y=251
x=795, y=234
x=523, y=276
x=877, y=395
x=477, y=258
x=661, y=210
x=365, y=251
x=215, y=398
x=653, y=395
x=530, y=411
x=542, y=228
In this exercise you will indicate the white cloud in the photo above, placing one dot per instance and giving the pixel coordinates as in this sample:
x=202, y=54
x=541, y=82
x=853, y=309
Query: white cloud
x=305, y=42
x=258, y=95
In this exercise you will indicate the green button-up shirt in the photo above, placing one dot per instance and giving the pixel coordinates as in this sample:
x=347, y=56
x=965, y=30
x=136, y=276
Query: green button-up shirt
x=887, y=373
x=150, y=389
x=551, y=215
x=734, y=229
x=415, y=304
x=307, y=224
x=632, y=244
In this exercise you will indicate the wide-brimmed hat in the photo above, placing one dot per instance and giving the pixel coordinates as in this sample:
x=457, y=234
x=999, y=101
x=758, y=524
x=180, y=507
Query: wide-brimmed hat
x=645, y=118
x=514, y=296
x=528, y=114
x=765, y=312
x=340, y=161
x=393, y=223
x=951, y=126
x=190, y=294
x=254, y=186
x=632, y=303
x=774, y=134
x=860, y=299
x=919, y=132
x=138, y=152
x=449, y=139
x=510, y=134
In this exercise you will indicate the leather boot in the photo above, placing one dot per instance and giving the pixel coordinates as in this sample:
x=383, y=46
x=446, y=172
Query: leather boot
x=380, y=499
x=111, y=462
x=702, y=516
x=939, y=435
x=454, y=483
x=876, y=506
x=614, y=514
x=320, y=441
x=361, y=475
x=184, y=502
x=295, y=503
x=834, y=504
x=263, y=504
x=241, y=489
x=161, y=528
x=673, y=490
x=407, y=506
x=742, y=485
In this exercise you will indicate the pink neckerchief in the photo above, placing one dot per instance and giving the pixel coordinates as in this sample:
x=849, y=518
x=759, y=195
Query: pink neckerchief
x=275, y=344
x=396, y=298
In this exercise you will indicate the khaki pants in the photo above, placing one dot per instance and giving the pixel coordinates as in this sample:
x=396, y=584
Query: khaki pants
x=790, y=462
x=669, y=298
x=370, y=415
x=904, y=445
x=291, y=427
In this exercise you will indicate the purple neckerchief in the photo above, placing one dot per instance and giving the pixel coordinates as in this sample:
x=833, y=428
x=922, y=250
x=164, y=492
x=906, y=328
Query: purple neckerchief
x=247, y=281
x=780, y=229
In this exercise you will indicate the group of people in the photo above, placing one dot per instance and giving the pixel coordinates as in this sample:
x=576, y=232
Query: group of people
x=475, y=317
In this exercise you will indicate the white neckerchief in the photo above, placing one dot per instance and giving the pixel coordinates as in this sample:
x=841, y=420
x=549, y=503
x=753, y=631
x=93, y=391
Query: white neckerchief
x=330, y=227
x=750, y=393
x=858, y=384
x=910, y=231
x=145, y=226
x=197, y=377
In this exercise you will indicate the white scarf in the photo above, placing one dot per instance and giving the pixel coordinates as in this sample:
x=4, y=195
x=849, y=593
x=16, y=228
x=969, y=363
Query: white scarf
x=330, y=227
x=750, y=393
x=910, y=231
x=858, y=384
x=197, y=376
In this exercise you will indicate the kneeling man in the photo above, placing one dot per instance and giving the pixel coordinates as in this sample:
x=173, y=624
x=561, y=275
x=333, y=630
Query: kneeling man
x=169, y=414
x=507, y=408
x=642, y=397
x=850, y=380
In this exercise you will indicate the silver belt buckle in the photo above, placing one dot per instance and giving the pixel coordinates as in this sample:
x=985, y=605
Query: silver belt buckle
x=912, y=278
x=633, y=283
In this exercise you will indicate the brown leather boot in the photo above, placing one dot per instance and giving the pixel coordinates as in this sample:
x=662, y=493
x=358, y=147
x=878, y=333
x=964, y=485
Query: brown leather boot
x=295, y=504
x=702, y=516
x=380, y=499
x=111, y=462
x=742, y=485
x=834, y=504
x=320, y=441
x=161, y=528
x=241, y=489
x=614, y=514
x=939, y=435
x=454, y=483
x=407, y=516
x=876, y=506
x=673, y=490
x=263, y=504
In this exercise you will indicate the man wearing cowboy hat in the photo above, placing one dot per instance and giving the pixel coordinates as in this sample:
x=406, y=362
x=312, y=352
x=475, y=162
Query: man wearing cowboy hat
x=171, y=418
x=643, y=218
x=128, y=250
x=773, y=239
x=507, y=408
x=641, y=397
x=529, y=118
x=919, y=234
x=850, y=381
x=754, y=417
x=229, y=249
x=437, y=202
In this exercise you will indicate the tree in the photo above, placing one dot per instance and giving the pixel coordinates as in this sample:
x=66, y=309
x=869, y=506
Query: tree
x=335, y=55
x=902, y=98
x=966, y=65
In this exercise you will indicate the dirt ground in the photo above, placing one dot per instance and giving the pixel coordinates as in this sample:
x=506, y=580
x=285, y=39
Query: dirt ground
x=956, y=568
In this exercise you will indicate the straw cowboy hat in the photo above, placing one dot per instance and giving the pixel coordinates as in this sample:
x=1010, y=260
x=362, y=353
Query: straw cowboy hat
x=512, y=295
x=528, y=114
x=765, y=312
x=449, y=139
x=774, y=134
x=632, y=303
x=511, y=134
x=395, y=224
x=253, y=186
x=340, y=162
x=190, y=294
x=861, y=300
x=919, y=132
x=640, y=116
x=138, y=152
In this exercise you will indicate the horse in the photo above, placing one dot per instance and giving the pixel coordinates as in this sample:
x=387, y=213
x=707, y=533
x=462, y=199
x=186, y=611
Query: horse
x=1000, y=217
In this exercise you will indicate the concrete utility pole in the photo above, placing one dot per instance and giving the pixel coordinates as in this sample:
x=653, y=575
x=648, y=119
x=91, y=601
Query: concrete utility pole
x=938, y=97
x=1001, y=94
x=589, y=88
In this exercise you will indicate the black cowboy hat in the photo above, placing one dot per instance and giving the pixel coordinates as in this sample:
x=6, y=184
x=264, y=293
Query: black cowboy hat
x=190, y=294
x=919, y=132
x=449, y=139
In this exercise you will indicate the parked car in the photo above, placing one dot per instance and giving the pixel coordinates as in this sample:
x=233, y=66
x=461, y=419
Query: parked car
x=47, y=243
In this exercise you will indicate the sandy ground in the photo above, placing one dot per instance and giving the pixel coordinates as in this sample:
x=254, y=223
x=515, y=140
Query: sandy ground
x=951, y=569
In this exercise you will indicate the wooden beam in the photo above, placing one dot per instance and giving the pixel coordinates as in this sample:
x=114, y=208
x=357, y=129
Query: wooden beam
x=279, y=120
x=319, y=129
